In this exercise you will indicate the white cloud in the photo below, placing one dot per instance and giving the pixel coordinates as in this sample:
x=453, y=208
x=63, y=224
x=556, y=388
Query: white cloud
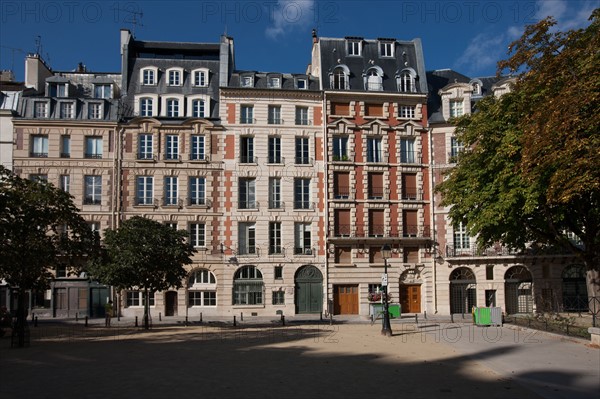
x=573, y=17
x=288, y=15
x=555, y=8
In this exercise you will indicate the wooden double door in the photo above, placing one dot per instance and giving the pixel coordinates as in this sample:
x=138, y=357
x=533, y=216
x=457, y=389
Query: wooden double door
x=345, y=299
x=410, y=298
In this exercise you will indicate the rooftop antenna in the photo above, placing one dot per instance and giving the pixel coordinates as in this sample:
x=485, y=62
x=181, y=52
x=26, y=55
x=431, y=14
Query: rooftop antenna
x=38, y=45
x=134, y=18
x=13, y=51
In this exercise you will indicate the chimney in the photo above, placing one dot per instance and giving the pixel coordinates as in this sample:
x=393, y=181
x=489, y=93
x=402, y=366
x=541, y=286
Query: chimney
x=314, y=36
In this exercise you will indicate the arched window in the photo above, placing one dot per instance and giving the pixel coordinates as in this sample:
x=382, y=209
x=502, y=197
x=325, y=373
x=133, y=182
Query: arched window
x=406, y=81
x=518, y=290
x=374, y=79
x=146, y=107
x=202, y=288
x=463, y=290
x=339, y=78
x=248, y=286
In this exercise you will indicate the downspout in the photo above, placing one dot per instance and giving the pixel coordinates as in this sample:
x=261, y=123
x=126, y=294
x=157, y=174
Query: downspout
x=326, y=175
x=432, y=221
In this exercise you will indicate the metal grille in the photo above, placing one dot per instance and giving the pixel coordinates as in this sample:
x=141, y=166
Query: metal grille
x=519, y=297
x=463, y=297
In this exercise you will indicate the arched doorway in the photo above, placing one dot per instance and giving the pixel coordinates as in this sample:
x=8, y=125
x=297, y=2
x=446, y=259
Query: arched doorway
x=309, y=290
x=518, y=290
x=171, y=303
x=574, y=288
x=410, y=291
x=463, y=290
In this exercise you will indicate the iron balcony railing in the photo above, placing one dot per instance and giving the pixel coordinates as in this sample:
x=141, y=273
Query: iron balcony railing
x=360, y=231
x=475, y=250
x=413, y=194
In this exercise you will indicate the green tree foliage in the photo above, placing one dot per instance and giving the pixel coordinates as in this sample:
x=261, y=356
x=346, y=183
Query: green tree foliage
x=144, y=255
x=40, y=230
x=531, y=171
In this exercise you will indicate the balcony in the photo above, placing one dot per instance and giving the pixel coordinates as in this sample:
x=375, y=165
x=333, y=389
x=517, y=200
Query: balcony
x=412, y=194
x=411, y=157
x=172, y=158
x=343, y=194
x=249, y=204
x=92, y=201
x=250, y=250
x=303, y=251
x=93, y=155
x=276, y=250
x=379, y=231
x=248, y=159
x=453, y=251
x=276, y=205
x=65, y=155
x=303, y=161
x=199, y=157
x=304, y=205
x=341, y=158
x=416, y=231
x=144, y=156
x=172, y=202
x=276, y=159
x=38, y=154
x=379, y=193
x=200, y=202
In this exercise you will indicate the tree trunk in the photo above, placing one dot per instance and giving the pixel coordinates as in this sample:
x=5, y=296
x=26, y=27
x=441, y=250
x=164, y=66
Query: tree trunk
x=592, y=281
x=146, y=308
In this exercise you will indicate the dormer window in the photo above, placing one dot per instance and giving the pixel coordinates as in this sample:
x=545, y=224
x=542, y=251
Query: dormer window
x=406, y=81
x=374, y=79
x=301, y=84
x=476, y=87
x=58, y=90
x=200, y=78
x=175, y=76
x=247, y=81
x=273, y=82
x=339, y=78
x=354, y=47
x=456, y=108
x=386, y=49
x=148, y=76
x=102, y=91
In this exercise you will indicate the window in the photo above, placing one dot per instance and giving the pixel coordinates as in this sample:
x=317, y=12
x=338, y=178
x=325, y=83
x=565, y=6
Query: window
x=302, y=242
x=247, y=238
x=40, y=109
x=455, y=147
x=374, y=82
x=148, y=77
x=341, y=185
x=339, y=79
x=406, y=82
x=275, y=193
x=273, y=83
x=476, y=86
x=172, y=107
x=275, y=238
x=200, y=78
x=247, y=194
x=39, y=146
x=58, y=90
x=246, y=114
x=136, y=298
x=489, y=272
x=376, y=223
x=342, y=223
x=375, y=181
x=172, y=225
x=456, y=108
x=406, y=111
x=386, y=49
x=374, y=149
x=278, y=273
x=67, y=110
x=247, y=150
x=274, y=149
x=279, y=297
x=171, y=191
x=92, y=190
x=145, y=150
x=274, y=115
x=174, y=77
x=95, y=111
x=65, y=146
x=248, y=286
x=200, y=277
x=407, y=151
x=145, y=190
x=146, y=106
x=247, y=81
x=93, y=147
x=65, y=183
x=302, y=194
x=102, y=91
x=302, y=116
x=197, y=148
x=197, y=191
x=301, y=84
x=199, y=109
x=354, y=47
x=39, y=178
x=172, y=147
x=340, y=148
x=302, y=151
x=95, y=227
x=461, y=237
x=197, y=235
x=202, y=298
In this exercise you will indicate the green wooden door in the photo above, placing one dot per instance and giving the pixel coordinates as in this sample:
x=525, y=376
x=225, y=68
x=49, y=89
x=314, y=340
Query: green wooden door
x=98, y=297
x=309, y=290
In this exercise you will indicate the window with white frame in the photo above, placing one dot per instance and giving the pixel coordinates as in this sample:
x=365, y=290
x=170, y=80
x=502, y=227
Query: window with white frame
x=354, y=47
x=339, y=79
x=302, y=116
x=65, y=146
x=302, y=151
x=247, y=81
x=302, y=239
x=39, y=178
x=103, y=90
x=406, y=82
x=172, y=147
x=93, y=147
x=201, y=277
x=279, y=297
x=247, y=193
x=92, y=190
x=40, y=109
x=456, y=108
x=65, y=183
x=172, y=107
x=455, y=147
x=340, y=148
x=197, y=190
x=302, y=193
x=301, y=84
x=248, y=286
x=199, y=108
x=273, y=82
x=275, y=149
x=247, y=149
x=145, y=146
x=275, y=193
x=374, y=80
x=247, y=238
x=407, y=151
x=95, y=111
x=202, y=288
x=145, y=190
x=67, y=110
x=275, y=238
x=39, y=146
x=386, y=49
x=246, y=114
x=174, y=76
x=274, y=114
x=197, y=149
x=200, y=78
x=137, y=299
x=374, y=149
x=149, y=76
x=146, y=106
x=58, y=90
x=461, y=238
x=407, y=112
x=171, y=191
x=198, y=235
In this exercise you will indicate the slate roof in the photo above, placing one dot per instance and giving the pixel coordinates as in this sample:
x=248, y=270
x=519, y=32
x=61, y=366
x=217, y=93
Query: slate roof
x=261, y=80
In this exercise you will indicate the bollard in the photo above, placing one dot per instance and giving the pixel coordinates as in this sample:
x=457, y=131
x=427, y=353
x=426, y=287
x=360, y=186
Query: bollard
x=86, y=321
x=330, y=319
x=159, y=316
x=567, y=329
x=321, y=316
x=282, y=320
x=35, y=322
x=425, y=315
x=416, y=318
x=136, y=321
x=452, y=318
x=76, y=317
x=32, y=316
x=200, y=317
x=234, y=323
x=186, y=321
x=241, y=316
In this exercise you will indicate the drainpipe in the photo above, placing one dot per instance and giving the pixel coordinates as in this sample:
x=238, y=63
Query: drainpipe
x=326, y=213
x=432, y=218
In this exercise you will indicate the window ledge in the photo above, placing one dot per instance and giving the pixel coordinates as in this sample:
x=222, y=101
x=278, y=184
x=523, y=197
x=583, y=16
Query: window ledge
x=345, y=264
x=248, y=306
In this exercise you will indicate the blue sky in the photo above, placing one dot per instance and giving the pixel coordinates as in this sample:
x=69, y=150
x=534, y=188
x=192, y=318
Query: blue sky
x=468, y=36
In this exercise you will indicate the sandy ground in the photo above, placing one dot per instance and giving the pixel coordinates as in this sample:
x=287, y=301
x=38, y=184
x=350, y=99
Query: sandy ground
x=295, y=361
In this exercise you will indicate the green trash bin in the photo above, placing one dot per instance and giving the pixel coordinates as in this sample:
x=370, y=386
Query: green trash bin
x=394, y=310
x=483, y=316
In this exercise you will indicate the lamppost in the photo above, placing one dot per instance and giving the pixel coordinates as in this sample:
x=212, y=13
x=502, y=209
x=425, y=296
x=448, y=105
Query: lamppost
x=386, y=329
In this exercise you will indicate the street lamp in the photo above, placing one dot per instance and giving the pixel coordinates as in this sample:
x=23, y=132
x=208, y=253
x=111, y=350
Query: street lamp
x=386, y=329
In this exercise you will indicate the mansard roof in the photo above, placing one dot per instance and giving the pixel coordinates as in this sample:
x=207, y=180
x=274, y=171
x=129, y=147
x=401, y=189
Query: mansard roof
x=261, y=80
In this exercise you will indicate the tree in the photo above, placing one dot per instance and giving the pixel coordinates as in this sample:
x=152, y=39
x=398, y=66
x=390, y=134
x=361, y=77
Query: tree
x=531, y=171
x=40, y=229
x=145, y=255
